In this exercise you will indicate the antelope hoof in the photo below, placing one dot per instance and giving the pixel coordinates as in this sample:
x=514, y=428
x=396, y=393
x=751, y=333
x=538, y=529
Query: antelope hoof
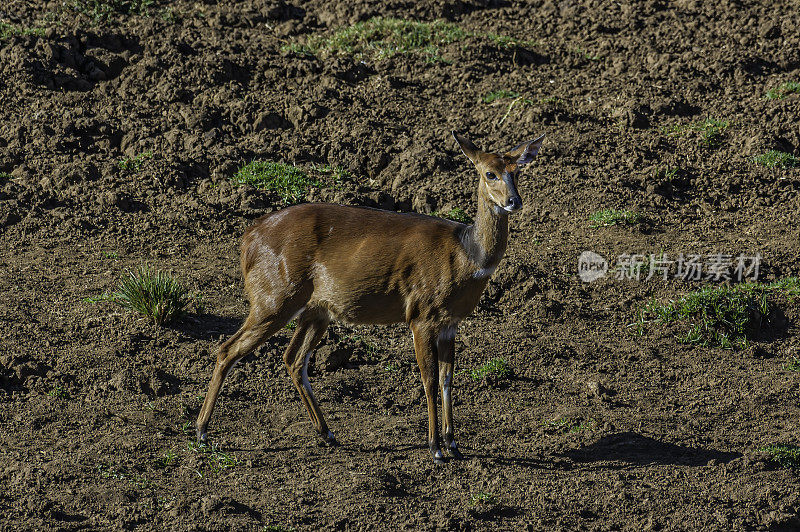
x=438, y=457
x=330, y=439
x=202, y=436
x=454, y=452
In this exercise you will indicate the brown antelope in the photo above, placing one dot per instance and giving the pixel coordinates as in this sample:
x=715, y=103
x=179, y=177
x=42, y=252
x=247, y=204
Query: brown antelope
x=318, y=262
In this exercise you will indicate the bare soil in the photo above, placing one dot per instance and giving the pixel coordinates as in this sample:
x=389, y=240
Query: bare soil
x=597, y=428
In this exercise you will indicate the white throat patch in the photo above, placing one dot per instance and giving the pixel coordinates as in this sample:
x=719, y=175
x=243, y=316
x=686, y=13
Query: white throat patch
x=483, y=273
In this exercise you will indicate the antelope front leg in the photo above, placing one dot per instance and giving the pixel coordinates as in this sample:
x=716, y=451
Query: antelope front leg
x=425, y=348
x=445, y=348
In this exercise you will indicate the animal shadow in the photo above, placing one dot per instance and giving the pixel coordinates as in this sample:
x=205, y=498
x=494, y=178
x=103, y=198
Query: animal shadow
x=207, y=326
x=635, y=449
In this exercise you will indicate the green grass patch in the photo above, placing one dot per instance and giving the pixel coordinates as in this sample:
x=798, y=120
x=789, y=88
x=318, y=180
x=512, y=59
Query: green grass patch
x=100, y=10
x=134, y=164
x=787, y=456
x=168, y=15
x=783, y=90
x=665, y=172
x=522, y=102
x=483, y=504
x=499, y=95
x=58, y=392
x=336, y=175
x=720, y=316
x=156, y=295
x=122, y=473
x=482, y=498
x=555, y=100
x=777, y=159
x=504, y=42
x=711, y=130
x=579, y=50
x=211, y=457
x=497, y=367
x=166, y=460
x=381, y=37
x=455, y=214
x=9, y=30
x=290, y=183
x=792, y=364
x=608, y=217
x=566, y=425
x=359, y=341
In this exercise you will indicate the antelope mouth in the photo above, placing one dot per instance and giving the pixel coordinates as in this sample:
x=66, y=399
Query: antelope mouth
x=514, y=204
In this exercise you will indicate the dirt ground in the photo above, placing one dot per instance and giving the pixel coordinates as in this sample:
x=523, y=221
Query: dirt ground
x=597, y=428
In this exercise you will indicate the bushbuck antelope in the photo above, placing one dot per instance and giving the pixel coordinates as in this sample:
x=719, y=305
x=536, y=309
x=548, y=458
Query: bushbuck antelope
x=318, y=262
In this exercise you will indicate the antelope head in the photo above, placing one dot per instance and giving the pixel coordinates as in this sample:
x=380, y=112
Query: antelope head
x=498, y=172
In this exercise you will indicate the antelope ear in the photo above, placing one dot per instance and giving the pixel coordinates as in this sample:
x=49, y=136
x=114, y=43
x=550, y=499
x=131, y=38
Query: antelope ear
x=469, y=149
x=525, y=152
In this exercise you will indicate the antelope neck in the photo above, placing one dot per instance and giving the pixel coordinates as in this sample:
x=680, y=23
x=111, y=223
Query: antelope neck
x=485, y=240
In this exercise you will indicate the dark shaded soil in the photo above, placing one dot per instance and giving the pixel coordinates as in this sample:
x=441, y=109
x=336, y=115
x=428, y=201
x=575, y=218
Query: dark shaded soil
x=596, y=429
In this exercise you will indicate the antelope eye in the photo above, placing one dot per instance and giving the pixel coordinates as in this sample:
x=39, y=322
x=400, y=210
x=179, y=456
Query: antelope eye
x=490, y=175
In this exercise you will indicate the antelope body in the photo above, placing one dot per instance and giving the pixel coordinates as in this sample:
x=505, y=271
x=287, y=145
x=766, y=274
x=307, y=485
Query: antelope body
x=323, y=262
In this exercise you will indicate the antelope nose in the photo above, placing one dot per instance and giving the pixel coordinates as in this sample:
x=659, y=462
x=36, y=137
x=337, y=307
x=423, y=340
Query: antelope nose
x=514, y=204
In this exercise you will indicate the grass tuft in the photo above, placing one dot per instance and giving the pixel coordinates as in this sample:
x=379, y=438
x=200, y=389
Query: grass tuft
x=665, y=172
x=9, y=30
x=779, y=159
x=482, y=498
x=787, y=456
x=166, y=460
x=153, y=294
x=783, y=90
x=122, y=473
x=792, y=364
x=608, y=217
x=339, y=174
x=333, y=176
x=359, y=341
x=58, y=392
x=711, y=130
x=497, y=366
x=134, y=164
x=504, y=42
x=555, y=100
x=566, y=425
x=499, y=95
x=104, y=9
x=289, y=182
x=579, y=50
x=725, y=316
x=456, y=214
x=212, y=457
x=380, y=37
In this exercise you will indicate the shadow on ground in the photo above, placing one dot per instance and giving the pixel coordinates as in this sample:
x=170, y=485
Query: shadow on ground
x=635, y=449
x=208, y=326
